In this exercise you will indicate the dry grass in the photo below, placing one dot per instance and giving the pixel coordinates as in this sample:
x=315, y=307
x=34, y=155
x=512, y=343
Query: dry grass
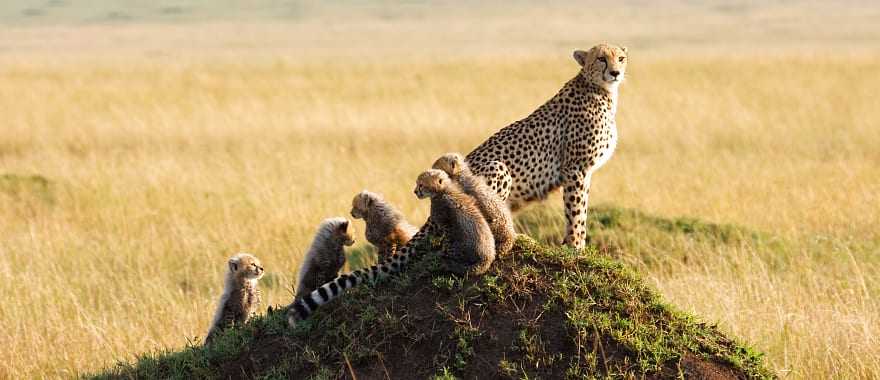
x=159, y=168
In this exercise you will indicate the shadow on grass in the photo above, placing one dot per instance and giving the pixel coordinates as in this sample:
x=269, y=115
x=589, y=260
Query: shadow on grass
x=648, y=240
x=27, y=188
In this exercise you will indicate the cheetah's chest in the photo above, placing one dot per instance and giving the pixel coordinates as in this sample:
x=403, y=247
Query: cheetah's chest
x=592, y=145
x=606, y=146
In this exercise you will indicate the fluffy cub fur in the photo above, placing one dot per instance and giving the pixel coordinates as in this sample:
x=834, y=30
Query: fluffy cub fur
x=471, y=247
x=386, y=227
x=326, y=256
x=495, y=211
x=240, y=297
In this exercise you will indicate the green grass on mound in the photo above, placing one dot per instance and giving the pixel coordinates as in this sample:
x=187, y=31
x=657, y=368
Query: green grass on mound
x=654, y=244
x=540, y=312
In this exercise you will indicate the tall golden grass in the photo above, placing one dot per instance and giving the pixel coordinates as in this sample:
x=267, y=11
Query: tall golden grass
x=157, y=167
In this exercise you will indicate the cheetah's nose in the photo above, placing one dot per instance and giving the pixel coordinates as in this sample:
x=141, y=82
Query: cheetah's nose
x=614, y=73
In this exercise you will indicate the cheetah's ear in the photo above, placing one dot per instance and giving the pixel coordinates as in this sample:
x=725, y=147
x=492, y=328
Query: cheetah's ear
x=343, y=227
x=233, y=264
x=581, y=57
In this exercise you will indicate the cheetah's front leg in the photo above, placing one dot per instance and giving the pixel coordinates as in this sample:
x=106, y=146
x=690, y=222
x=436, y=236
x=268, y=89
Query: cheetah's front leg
x=575, y=195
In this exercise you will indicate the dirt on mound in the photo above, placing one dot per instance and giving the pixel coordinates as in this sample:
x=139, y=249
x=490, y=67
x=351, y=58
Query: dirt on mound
x=539, y=313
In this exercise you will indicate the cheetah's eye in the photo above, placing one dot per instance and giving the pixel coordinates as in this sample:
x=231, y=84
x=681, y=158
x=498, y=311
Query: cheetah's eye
x=621, y=59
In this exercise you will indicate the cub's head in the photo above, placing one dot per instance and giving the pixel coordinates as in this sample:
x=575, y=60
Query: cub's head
x=430, y=183
x=362, y=203
x=245, y=266
x=603, y=65
x=451, y=163
x=339, y=229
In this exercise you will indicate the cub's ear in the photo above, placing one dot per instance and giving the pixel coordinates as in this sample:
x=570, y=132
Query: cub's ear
x=581, y=57
x=368, y=200
x=343, y=227
x=623, y=48
x=233, y=264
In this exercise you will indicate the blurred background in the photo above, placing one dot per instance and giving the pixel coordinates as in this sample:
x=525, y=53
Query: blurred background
x=490, y=28
x=144, y=142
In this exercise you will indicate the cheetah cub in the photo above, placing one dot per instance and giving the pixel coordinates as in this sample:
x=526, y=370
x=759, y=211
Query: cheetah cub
x=495, y=211
x=240, y=297
x=325, y=257
x=469, y=238
x=386, y=227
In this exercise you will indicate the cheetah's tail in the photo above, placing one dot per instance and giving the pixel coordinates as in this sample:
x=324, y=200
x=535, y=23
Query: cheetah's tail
x=304, y=307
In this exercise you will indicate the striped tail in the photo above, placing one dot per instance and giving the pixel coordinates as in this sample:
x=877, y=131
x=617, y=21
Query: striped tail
x=302, y=308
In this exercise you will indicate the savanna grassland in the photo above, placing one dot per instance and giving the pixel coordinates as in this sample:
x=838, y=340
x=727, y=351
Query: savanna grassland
x=141, y=146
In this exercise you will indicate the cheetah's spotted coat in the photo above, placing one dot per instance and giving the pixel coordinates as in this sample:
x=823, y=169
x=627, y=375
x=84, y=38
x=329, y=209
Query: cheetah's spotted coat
x=561, y=144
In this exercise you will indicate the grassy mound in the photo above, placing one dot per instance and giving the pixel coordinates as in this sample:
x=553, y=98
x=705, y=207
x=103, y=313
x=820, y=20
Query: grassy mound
x=540, y=312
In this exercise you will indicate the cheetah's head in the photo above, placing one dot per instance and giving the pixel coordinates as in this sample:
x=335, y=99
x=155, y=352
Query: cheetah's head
x=451, y=163
x=362, y=203
x=430, y=183
x=245, y=266
x=603, y=65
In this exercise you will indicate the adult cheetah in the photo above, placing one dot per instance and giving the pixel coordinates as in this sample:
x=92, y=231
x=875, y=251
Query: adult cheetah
x=562, y=143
